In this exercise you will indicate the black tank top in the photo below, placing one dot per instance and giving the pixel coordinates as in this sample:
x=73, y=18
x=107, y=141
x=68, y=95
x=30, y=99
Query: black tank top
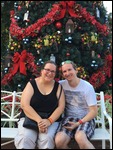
x=43, y=103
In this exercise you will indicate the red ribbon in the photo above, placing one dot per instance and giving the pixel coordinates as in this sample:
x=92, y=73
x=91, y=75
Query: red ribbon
x=19, y=62
x=67, y=6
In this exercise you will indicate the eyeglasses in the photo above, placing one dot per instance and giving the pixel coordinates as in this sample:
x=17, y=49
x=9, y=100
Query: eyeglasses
x=66, y=62
x=48, y=71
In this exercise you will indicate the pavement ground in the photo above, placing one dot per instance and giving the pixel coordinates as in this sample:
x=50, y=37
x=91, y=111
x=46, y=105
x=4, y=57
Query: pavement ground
x=72, y=145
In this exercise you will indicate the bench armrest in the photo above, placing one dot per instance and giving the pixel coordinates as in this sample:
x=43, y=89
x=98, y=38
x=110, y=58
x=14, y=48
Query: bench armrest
x=108, y=117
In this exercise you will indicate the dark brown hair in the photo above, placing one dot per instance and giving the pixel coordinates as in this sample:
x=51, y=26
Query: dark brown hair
x=48, y=62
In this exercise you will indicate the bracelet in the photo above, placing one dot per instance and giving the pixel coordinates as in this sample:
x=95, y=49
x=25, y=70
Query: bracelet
x=50, y=120
x=80, y=121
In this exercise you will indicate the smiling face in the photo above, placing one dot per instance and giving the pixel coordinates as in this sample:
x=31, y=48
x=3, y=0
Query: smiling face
x=68, y=71
x=49, y=71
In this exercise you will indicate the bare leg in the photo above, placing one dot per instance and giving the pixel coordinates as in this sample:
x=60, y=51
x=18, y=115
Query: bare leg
x=82, y=141
x=62, y=140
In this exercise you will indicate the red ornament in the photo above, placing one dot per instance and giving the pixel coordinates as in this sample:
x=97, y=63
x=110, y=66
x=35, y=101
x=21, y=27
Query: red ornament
x=58, y=25
x=67, y=54
x=19, y=7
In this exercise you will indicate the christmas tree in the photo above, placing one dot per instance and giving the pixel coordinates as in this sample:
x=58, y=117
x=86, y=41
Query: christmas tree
x=61, y=30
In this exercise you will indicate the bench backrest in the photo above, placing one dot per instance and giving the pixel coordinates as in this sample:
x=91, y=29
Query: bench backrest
x=100, y=120
x=10, y=108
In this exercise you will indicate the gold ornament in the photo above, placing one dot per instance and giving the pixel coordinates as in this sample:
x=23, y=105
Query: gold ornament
x=94, y=37
x=46, y=41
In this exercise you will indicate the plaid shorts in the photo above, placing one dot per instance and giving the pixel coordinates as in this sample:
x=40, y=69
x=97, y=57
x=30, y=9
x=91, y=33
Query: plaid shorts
x=87, y=127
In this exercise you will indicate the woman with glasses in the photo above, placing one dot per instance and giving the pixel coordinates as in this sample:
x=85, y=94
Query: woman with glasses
x=80, y=109
x=42, y=101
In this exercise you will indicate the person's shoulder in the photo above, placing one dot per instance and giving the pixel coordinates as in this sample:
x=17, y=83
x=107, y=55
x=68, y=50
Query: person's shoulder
x=32, y=81
x=62, y=81
x=86, y=83
x=28, y=84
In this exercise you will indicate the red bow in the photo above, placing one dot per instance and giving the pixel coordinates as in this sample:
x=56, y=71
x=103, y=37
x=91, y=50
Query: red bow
x=19, y=62
x=67, y=6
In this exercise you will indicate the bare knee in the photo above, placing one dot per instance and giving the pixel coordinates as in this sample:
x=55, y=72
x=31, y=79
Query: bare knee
x=80, y=137
x=82, y=140
x=61, y=140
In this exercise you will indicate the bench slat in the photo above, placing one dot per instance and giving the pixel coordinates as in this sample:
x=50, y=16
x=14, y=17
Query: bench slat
x=100, y=134
x=8, y=132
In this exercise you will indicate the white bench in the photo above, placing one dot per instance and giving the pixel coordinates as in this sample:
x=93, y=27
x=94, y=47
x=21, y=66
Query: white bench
x=10, y=111
x=101, y=132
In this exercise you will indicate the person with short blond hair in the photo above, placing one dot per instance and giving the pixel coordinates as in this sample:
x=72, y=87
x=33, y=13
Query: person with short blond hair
x=80, y=110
